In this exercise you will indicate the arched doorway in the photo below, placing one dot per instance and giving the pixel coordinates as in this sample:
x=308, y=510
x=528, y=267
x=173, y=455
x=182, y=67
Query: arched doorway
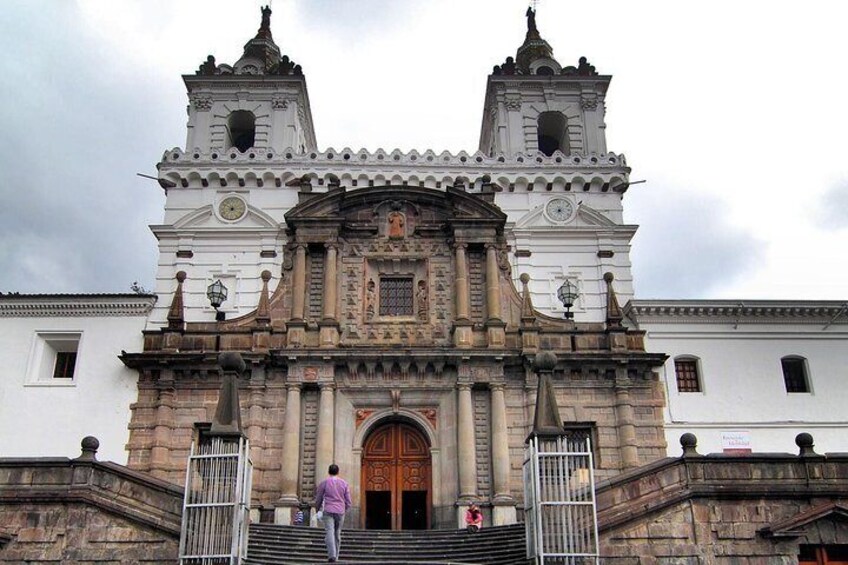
x=396, y=483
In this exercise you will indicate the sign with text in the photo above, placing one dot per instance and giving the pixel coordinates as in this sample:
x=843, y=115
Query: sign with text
x=736, y=442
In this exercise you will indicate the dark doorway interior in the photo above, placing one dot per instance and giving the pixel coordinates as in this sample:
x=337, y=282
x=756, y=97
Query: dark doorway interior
x=378, y=513
x=414, y=510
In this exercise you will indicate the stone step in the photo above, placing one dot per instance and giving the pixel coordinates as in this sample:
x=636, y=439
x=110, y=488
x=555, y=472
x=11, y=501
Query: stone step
x=271, y=544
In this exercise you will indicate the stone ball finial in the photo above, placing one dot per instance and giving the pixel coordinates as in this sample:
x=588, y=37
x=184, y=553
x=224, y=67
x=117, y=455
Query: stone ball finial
x=524, y=278
x=689, y=443
x=545, y=361
x=609, y=277
x=231, y=361
x=181, y=276
x=805, y=443
x=266, y=275
x=89, y=445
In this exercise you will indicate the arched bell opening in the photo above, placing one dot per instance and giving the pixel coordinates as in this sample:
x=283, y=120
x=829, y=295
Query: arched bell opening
x=396, y=485
x=552, y=133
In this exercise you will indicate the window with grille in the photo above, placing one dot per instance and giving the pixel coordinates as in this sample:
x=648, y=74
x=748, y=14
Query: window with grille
x=795, y=374
x=687, y=375
x=396, y=296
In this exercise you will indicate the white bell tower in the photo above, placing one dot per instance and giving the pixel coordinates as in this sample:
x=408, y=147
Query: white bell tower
x=534, y=104
x=259, y=102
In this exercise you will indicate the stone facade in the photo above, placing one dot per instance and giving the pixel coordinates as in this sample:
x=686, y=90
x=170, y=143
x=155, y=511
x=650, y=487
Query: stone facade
x=61, y=510
x=716, y=509
x=328, y=369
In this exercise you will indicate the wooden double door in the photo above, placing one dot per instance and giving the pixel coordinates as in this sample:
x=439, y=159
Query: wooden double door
x=396, y=479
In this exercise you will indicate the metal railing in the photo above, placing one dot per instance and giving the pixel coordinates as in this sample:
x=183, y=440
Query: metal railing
x=217, y=503
x=560, y=515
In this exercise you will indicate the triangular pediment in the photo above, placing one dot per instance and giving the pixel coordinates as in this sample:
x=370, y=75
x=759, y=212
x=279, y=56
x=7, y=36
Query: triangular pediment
x=796, y=526
x=204, y=217
x=585, y=216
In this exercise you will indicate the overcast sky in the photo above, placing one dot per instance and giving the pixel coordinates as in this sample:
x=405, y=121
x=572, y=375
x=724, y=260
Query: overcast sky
x=734, y=112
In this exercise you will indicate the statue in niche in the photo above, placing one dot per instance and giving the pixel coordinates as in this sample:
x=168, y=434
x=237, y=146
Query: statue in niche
x=421, y=298
x=370, y=298
x=396, y=225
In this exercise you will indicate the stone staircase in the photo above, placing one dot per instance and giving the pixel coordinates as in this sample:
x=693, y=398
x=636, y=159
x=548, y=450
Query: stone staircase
x=289, y=545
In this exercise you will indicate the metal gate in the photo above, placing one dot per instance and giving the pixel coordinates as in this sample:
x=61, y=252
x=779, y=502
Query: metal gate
x=217, y=503
x=559, y=501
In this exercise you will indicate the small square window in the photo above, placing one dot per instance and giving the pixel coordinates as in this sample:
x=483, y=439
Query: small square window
x=53, y=359
x=396, y=296
x=688, y=379
x=795, y=374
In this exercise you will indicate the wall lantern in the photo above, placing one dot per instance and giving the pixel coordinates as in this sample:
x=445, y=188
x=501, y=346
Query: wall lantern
x=567, y=294
x=217, y=294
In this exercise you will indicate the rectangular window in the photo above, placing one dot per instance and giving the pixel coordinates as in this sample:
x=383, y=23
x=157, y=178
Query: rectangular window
x=687, y=375
x=65, y=362
x=53, y=359
x=396, y=296
x=795, y=374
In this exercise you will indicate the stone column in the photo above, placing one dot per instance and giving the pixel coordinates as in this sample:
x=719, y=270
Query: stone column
x=503, y=511
x=330, y=283
x=160, y=454
x=462, y=311
x=299, y=283
x=626, y=424
x=291, y=456
x=466, y=448
x=493, y=289
x=326, y=424
x=329, y=325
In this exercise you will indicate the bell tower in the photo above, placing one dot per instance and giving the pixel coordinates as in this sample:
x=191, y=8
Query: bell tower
x=260, y=101
x=562, y=190
x=535, y=104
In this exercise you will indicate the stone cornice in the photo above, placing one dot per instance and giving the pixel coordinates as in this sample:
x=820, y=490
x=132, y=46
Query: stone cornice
x=75, y=305
x=263, y=167
x=738, y=311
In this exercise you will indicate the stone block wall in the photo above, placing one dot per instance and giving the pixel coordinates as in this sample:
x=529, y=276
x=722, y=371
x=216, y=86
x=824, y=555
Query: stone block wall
x=754, y=510
x=166, y=419
x=72, y=511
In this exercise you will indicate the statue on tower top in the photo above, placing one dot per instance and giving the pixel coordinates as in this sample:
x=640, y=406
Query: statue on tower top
x=531, y=20
x=265, y=26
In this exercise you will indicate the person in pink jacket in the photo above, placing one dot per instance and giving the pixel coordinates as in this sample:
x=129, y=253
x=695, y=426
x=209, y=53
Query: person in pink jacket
x=333, y=499
x=473, y=518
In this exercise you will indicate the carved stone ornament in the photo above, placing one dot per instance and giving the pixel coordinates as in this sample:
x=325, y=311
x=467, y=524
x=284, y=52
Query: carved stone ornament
x=202, y=102
x=280, y=102
x=430, y=414
x=589, y=103
x=362, y=415
x=512, y=102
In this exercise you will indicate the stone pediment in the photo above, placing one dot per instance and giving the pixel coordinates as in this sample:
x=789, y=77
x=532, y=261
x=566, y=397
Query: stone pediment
x=797, y=525
x=204, y=217
x=585, y=216
x=430, y=207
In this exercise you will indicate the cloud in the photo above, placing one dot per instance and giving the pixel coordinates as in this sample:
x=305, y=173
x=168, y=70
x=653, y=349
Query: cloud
x=833, y=206
x=685, y=247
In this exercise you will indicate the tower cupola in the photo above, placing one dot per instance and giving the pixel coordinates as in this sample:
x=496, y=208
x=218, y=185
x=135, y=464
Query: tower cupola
x=535, y=104
x=535, y=56
x=259, y=102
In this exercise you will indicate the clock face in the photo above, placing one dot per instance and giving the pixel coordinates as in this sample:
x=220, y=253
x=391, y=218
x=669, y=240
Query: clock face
x=559, y=209
x=232, y=208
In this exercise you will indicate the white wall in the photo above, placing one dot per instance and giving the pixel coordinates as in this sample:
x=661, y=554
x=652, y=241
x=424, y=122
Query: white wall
x=743, y=387
x=48, y=418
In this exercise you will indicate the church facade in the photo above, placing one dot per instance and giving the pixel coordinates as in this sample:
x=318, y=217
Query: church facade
x=386, y=302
